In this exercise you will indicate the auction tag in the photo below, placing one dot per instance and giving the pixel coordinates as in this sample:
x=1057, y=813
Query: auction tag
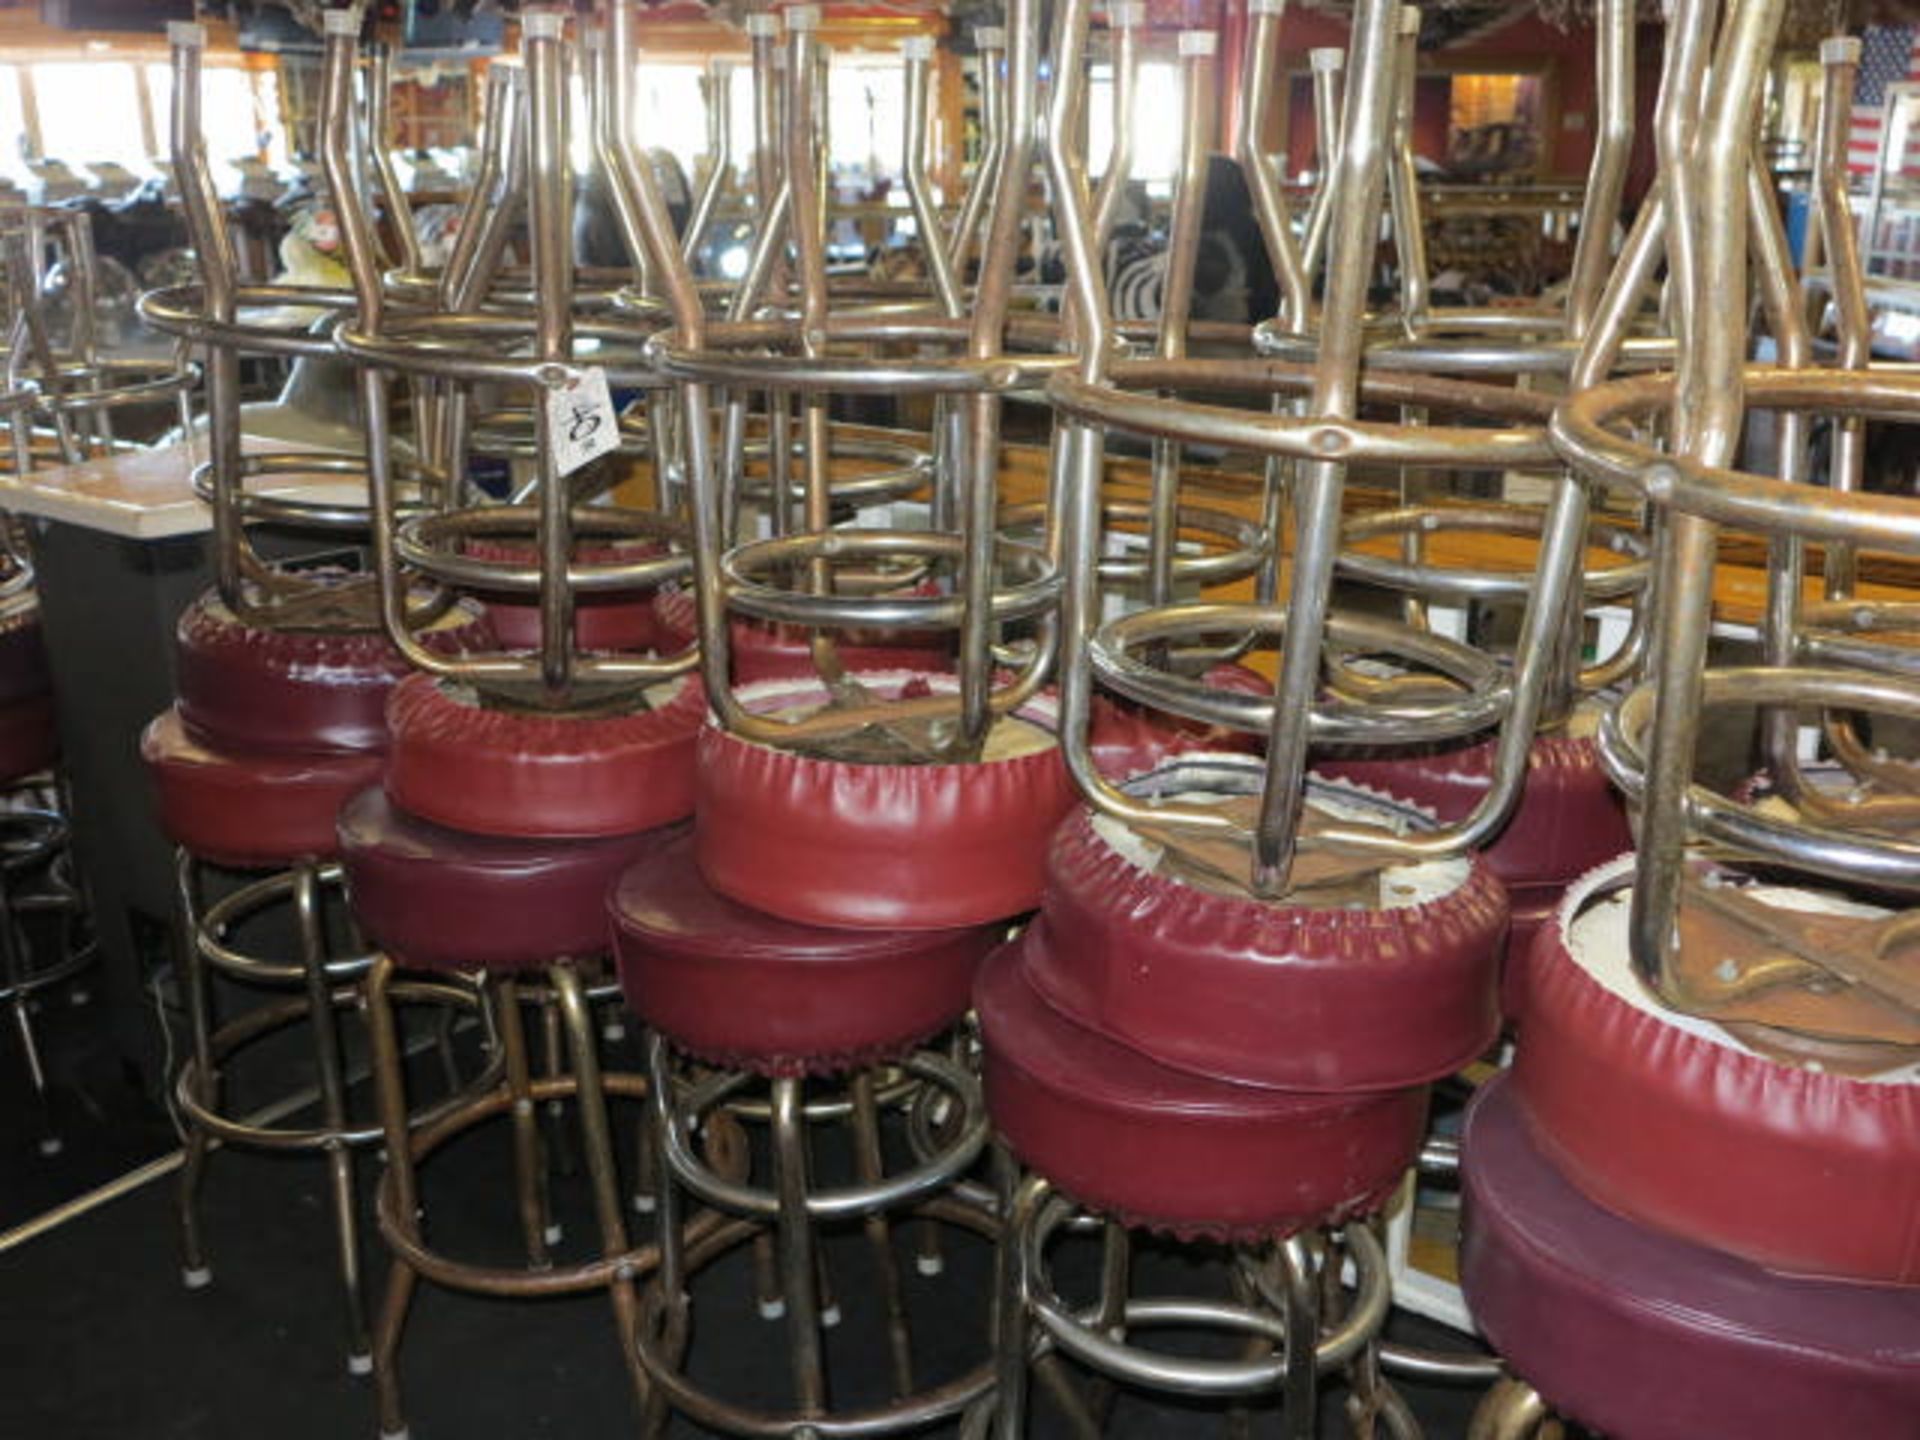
x=581, y=421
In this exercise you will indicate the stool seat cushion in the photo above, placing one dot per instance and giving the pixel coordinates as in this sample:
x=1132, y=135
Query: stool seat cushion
x=607, y=623
x=763, y=651
x=29, y=740
x=23, y=652
x=1669, y=1121
x=919, y=847
x=247, y=687
x=1318, y=998
x=1568, y=819
x=248, y=809
x=1126, y=738
x=1646, y=1337
x=436, y=898
x=747, y=990
x=537, y=775
x=1164, y=1149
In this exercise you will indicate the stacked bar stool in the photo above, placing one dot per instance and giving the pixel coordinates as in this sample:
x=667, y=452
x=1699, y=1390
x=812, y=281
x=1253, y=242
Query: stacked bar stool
x=1704, y=1163
x=861, y=835
x=280, y=718
x=521, y=782
x=1249, y=976
x=1568, y=817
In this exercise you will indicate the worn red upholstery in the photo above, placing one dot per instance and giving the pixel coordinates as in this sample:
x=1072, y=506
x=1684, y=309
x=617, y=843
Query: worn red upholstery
x=23, y=652
x=1127, y=739
x=252, y=810
x=1168, y=1150
x=29, y=742
x=1265, y=994
x=439, y=898
x=249, y=688
x=554, y=776
x=1568, y=819
x=1645, y=1337
x=743, y=989
x=1666, y=1121
x=915, y=847
x=763, y=651
x=602, y=622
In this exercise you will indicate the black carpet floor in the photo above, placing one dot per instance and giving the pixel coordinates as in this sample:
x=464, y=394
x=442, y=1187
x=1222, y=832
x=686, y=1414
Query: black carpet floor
x=98, y=1337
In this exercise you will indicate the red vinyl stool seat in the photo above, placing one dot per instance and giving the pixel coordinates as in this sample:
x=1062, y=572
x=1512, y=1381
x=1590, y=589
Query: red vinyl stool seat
x=1126, y=739
x=751, y=991
x=23, y=652
x=761, y=651
x=1646, y=1337
x=1101, y=1126
x=29, y=740
x=460, y=764
x=604, y=623
x=1568, y=819
x=251, y=688
x=904, y=847
x=1162, y=1149
x=1321, y=999
x=440, y=899
x=250, y=810
x=1669, y=1121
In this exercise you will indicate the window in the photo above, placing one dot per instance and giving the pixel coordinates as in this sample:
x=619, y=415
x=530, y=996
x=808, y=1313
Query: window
x=1156, y=145
x=90, y=111
x=867, y=116
x=239, y=110
x=13, y=122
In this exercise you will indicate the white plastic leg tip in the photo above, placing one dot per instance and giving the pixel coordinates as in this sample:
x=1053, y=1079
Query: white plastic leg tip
x=614, y=1034
x=553, y=1234
x=929, y=1265
x=196, y=1277
x=830, y=1317
x=401, y=1434
x=52, y=1146
x=645, y=1204
x=360, y=1364
x=772, y=1309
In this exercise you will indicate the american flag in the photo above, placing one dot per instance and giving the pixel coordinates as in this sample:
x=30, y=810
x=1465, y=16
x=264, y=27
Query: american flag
x=1889, y=55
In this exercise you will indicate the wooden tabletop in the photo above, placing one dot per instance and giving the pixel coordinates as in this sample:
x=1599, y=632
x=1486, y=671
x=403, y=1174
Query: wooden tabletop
x=144, y=494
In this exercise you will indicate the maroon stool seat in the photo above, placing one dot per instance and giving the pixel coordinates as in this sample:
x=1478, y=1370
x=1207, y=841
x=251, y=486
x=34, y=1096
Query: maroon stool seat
x=1568, y=819
x=553, y=776
x=837, y=843
x=749, y=991
x=251, y=810
x=784, y=652
x=29, y=741
x=1126, y=739
x=248, y=688
x=608, y=623
x=23, y=653
x=1321, y=999
x=1646, y=1337
x=441, y=899
x=1163, y=1149
x=1666, y=1120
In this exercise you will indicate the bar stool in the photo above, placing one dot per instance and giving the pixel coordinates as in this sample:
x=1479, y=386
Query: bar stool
x=273, y=731
x=35, y=876
x=836, y=1023
x=508, y=907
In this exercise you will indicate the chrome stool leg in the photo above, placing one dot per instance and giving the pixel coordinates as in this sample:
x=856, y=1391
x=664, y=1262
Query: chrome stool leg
x=529, y=1149
x=1512, y=1410
x=195, y=1273
x=343, y=1195
x=400, y=1178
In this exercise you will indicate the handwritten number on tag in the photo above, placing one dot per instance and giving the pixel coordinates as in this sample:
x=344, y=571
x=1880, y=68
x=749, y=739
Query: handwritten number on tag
x=581, y=421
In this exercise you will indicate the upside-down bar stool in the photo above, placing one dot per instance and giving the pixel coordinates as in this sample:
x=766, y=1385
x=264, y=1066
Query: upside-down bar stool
x=519, y=785
x=1568, y=818
x=861, y=834
x=1249, y=976
x=1706, y=1161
